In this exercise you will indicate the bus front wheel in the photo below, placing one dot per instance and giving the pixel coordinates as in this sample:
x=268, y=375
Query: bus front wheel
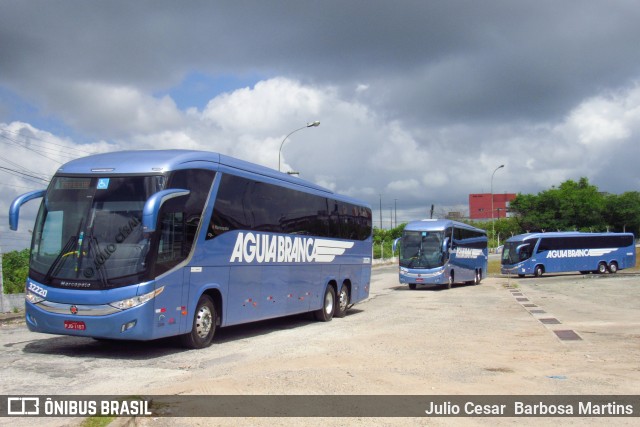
x=204, y=325
x=325, y=314
x=539, y=271
x=412, y=286
x=450, y=281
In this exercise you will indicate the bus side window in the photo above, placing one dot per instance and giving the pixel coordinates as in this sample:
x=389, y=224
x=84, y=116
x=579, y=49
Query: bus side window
x=180, y=217
x=230, y=207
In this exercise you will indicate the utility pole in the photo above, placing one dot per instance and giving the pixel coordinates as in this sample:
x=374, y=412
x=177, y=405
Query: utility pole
x=1, y=283
x=380, y=212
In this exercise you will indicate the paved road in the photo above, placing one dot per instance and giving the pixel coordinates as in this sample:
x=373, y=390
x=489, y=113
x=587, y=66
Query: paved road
x=500, y=337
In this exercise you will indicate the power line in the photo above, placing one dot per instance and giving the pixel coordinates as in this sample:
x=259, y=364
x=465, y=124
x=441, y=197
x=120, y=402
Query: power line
x=48, y=142
x=17, y=143
x=23, y=173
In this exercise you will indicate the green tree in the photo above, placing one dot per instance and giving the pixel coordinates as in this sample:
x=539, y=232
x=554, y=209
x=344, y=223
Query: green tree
x=15, y=268
x=623, y=212
x=383, y=240
x=571, y=206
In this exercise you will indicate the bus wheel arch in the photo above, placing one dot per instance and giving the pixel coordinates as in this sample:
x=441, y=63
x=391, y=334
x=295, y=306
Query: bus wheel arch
x=326, y=312
x=538, y=271
x=613, y=267
x=204, y=323
x=342, y=300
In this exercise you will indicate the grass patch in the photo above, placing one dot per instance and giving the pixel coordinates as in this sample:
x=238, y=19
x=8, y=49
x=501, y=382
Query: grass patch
x=97, y=421
x=493, y=267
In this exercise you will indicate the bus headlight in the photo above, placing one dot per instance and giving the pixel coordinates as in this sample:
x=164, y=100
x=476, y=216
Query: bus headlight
x=136, y=301
x=33, y=298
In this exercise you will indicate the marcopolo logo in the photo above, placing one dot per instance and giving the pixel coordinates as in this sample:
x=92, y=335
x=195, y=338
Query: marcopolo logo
x=578, y=253
x=250, y=247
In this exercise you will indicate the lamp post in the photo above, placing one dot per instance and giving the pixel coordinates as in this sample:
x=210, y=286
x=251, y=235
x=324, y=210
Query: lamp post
x=493, y=231
x=308, y=125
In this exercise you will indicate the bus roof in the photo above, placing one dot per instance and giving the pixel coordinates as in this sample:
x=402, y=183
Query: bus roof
x=162, y=161
x=533, y=236
x=438, y=225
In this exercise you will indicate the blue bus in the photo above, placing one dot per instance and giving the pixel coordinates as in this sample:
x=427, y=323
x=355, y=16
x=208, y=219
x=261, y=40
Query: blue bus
x=141, y=245
x=441, y=252
x=555, y=252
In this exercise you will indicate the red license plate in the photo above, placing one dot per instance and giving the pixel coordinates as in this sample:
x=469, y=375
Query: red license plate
x=75, y=325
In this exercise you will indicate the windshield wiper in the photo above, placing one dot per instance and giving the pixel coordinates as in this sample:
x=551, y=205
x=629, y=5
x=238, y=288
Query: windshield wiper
x=94, y=247
x=57, y=265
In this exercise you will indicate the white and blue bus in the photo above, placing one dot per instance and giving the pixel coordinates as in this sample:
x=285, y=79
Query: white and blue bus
x=142, y=245
x=555, y=252
x=441, y=252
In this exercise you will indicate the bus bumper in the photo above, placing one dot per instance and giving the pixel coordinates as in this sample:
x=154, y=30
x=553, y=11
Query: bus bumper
x=423, y=277
x=132, y=324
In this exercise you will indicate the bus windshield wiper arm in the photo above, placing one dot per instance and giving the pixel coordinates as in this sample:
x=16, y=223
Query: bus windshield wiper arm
x=56, y=265
x=94, y=247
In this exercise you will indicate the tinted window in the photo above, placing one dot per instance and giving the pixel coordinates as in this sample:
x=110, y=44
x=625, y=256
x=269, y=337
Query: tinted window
x=253, y=205
x=180, y=217
x=584, y=242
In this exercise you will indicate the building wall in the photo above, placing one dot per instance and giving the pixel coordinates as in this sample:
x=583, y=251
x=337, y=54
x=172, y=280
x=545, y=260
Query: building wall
x=480, y=205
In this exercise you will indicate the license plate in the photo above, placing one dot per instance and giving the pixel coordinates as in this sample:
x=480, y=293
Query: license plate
x=74, y=325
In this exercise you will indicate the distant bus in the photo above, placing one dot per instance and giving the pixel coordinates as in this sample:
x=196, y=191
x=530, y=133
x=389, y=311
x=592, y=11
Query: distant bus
x=539, y=253
x=441, y=252
x=141, y=245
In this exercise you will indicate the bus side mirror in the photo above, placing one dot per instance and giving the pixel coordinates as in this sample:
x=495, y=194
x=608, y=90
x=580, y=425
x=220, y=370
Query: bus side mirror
x=395, y=244
x=154, y=203
x=445, y=245
x=14, y=210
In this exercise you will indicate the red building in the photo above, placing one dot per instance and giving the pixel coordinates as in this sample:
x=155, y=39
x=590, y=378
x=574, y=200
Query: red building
x=480, y=205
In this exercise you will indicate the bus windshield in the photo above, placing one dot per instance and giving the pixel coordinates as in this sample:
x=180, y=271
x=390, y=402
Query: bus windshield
x=515, y=252
x=88, y=233
x=421, y=249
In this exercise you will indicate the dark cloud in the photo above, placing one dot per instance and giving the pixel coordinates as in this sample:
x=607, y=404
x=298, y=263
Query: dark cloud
x=462, y=85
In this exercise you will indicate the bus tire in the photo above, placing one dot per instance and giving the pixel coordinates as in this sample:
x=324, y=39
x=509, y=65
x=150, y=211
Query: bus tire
x=412, y=286
x=204, y=325
x=520, y=275
x=450, y=281
x=613, y=267
x=602, y=268
x=343, y=302
x=325, y=314
x=478, y=277
x=538, y=271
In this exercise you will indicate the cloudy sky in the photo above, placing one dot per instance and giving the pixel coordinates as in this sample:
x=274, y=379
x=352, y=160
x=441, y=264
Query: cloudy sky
x=419, y=101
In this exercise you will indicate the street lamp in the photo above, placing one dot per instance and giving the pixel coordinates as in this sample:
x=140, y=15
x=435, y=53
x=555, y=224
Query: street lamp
x=308, y=125
x=493, y=231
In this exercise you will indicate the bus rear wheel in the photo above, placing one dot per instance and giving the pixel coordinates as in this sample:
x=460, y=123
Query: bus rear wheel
x=325, y=314
x=613, y=267
x=343, y=302
x=204, y=325
x=602, y=268
x=478, y=277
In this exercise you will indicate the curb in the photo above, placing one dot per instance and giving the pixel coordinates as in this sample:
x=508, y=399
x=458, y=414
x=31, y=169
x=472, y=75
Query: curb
x=11, y=317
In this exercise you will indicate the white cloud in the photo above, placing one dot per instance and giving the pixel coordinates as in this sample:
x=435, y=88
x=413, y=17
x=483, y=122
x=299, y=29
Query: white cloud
x=113, y=110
